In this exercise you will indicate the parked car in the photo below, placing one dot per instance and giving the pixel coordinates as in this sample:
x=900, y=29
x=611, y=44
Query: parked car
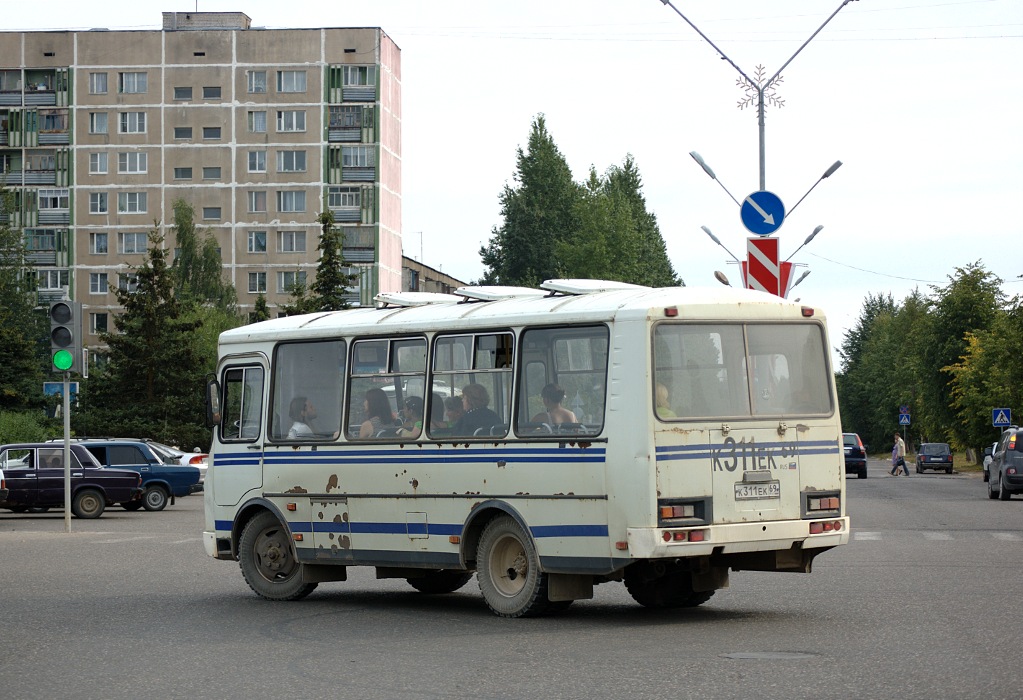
x=172, y=455
x=160, y=480
x=34, y=474
x=3, y=487
x=1007, y=466
x=855, y=455
x=934, y=455
x=988, y=456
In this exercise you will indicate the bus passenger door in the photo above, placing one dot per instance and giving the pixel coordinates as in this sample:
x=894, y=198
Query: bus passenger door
x=237, y=462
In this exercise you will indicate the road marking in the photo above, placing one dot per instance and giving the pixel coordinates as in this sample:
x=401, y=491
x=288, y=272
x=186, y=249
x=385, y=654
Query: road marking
x=190, y=540
x=867, y=535
x=937, y=536
x=126, y=539
x=1005, y=536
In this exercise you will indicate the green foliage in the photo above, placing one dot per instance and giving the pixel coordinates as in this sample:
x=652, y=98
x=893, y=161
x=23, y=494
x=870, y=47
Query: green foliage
x=554, y=227
x=23, y=330
x=198, y=267
x=151, y=385
x=328, y=291
x=28, y=426
x=951, y=357
x=261, y=311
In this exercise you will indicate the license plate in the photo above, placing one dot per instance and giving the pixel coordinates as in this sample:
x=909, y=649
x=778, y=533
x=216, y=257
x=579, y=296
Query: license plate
x=763, y=489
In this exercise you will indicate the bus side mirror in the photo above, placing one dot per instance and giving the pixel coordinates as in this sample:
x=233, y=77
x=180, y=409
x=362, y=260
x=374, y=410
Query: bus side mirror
x=212, y=403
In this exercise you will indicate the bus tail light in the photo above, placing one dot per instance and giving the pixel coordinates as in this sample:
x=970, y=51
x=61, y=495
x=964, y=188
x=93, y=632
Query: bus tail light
x=684, y=511
x=684, y=535
x=828, y=503
x=818, y=527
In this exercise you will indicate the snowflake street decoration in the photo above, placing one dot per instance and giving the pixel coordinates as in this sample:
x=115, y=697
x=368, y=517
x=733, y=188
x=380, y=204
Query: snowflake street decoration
x=753, y=91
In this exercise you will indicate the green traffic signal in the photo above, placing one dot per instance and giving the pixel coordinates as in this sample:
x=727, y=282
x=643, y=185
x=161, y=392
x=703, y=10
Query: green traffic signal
x=63, y=360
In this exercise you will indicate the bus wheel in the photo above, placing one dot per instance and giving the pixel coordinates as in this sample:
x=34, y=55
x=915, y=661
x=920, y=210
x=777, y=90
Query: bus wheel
x=508, y=570
x=268, y=562
x=672, y=589
x=440, y=581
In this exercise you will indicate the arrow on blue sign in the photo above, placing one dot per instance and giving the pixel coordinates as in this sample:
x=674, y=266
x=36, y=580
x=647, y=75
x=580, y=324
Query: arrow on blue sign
x=903, y=419
x=1001, y=417
x=762, y=213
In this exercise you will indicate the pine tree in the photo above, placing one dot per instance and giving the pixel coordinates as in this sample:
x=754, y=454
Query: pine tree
x=21, y=326
x=198, y=266
x=329, y=290
x=262, y=311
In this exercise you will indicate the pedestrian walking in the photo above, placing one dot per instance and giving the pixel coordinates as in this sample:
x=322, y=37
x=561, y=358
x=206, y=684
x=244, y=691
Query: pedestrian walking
x=899, y=457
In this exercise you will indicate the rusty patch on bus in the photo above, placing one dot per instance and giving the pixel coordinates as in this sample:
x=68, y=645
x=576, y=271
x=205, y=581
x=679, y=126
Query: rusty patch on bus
x=332, y=483
x=296, y=489
x=415, y=483
x=345, y=542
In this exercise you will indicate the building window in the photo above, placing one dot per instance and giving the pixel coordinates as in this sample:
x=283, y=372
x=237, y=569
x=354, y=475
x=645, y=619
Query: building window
x=290, y=201
x=257, y=201
x=291, y=241
x=257, y=161
x=133, y=122
x=133, y=82
x=97, y=83
x=344, y=198
x=128, y=282
x=97, y=202
x=182, y=132
x=97, y=323
x=211, y=213
x=182, y=173
x=132, y=162
x=291, y=120
x=131, y=202
x=98, y=243
x=356, y=157
x=97, y=122
x=182, y=93
x=53, y=199
x=98, y=283
x=211, y=133
x=52, y=279
x=211, y=93
x=257, y=122
x=257, y=283
x=291, y=81
x=133, y=243
x=257, y=241
x=345, y=116
x=257, y=81
x=211, y=173
x=98, y=163
x=286, y=281
x=291, y=161
x=358, y=75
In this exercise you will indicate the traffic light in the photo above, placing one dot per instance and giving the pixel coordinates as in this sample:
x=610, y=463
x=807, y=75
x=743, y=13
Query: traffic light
x=66, y=336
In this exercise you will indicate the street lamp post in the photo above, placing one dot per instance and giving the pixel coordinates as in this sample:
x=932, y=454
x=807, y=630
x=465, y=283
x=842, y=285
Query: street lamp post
x=715, y=239
x=827, y=173
x=808, y=239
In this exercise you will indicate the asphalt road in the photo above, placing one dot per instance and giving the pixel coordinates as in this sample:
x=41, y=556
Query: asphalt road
x=922, y=603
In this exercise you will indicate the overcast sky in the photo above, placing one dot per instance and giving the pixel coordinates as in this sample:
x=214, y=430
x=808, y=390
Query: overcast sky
x=919, y=99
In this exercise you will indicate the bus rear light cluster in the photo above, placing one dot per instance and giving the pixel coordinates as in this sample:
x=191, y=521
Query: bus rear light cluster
x=829, y=503
x=819, y=526
x=684, y=511
x=684, y=535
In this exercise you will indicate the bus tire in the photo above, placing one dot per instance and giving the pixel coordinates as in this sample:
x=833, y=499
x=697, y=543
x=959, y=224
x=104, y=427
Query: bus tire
x=440, y=581
x=268, y=561
x=673, y=589
x=508, y=570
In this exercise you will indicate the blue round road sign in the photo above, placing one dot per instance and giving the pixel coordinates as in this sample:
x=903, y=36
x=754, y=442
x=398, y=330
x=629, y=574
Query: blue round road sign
x=762, y=213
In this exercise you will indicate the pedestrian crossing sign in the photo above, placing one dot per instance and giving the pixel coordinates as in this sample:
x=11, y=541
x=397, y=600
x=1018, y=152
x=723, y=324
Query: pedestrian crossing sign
x=903, y=419
x=1001, y=417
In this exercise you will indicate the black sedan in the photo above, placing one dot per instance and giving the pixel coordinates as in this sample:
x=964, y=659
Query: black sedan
x=34, y=473
x=855, y=455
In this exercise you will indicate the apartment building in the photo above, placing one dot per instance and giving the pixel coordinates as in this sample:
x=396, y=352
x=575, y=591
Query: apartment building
x=260, y=130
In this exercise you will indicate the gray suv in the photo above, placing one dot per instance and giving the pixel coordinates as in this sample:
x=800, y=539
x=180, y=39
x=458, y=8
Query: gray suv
x=1006, y=469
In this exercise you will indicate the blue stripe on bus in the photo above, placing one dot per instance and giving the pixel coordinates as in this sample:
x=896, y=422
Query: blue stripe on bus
x=338, y=457
x=437, y=529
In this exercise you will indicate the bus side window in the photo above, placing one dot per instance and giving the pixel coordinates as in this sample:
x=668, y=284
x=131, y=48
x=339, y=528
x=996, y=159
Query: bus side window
x=243, y=403
x=307, y=391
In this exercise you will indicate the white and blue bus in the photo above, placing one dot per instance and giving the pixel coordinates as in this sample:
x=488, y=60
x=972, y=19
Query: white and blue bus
x=608, y=433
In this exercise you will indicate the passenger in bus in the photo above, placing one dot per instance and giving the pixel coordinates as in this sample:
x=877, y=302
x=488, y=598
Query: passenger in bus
x=453, y=410
x=378, y=414
x=411, y=417
x=302, y=413
x=477, y=416
x=555, y=414
x=664, y=409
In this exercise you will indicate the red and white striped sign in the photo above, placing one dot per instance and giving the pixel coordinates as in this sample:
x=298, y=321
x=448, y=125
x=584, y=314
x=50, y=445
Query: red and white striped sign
x=762, y=264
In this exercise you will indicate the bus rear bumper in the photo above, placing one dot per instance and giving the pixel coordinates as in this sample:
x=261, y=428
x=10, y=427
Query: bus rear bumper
x=765, y=536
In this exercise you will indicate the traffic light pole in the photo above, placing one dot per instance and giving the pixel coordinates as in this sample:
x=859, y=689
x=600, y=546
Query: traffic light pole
x=67, y=451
